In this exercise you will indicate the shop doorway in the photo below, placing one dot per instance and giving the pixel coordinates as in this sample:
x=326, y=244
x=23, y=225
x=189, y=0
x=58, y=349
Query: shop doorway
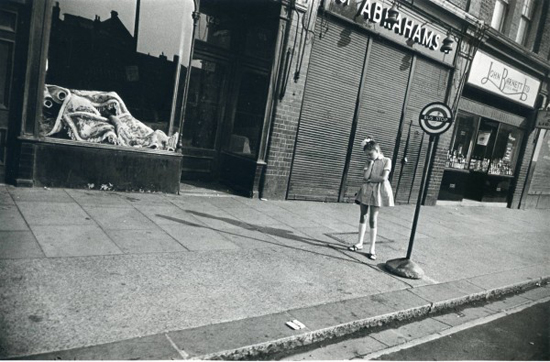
x=230, y=75
x=206, y=104
x=225, y=114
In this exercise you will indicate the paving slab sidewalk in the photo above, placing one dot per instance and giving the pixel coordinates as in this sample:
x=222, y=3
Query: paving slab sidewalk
x=121, y=276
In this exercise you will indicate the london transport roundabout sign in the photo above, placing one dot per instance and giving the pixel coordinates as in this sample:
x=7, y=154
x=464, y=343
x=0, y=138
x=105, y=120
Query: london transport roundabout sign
x=436, y=118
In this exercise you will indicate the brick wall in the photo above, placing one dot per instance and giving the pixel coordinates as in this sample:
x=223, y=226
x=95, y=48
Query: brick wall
x=544, y=49
x=444, y=141
x=459, y=3
x=486, y=10
x=286, y=117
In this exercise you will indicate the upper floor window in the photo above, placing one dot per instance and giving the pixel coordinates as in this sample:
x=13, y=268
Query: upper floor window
x=499, y=14
x=525, y=21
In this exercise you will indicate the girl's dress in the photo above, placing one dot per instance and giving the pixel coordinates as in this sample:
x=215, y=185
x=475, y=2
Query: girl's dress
x=376, y=193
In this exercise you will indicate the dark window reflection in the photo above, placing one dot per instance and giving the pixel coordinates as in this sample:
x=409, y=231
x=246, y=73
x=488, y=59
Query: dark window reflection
x=204, y=106
x=134, y=48
x=249, y=113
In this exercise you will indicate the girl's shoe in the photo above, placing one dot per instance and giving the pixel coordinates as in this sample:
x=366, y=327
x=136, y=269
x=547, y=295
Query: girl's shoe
x=371, y=256
x=355, y=247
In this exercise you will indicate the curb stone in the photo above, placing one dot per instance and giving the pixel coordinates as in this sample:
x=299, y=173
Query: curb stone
x=259, y=350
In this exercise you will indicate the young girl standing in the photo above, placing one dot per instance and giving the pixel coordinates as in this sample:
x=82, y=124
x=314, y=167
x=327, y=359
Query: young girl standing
x=374, y=193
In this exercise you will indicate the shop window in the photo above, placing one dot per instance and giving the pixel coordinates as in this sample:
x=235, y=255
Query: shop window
x=505, y=153
x=461, y=145
x=499, y=14
x=249, y=114
x=204, y=105
x=115, y=72
x=525, y=21
x=484, y=145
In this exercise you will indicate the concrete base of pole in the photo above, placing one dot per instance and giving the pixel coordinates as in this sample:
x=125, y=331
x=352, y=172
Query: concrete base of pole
x=404, y=268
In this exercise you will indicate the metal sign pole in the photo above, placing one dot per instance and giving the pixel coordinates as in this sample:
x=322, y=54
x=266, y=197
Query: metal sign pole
x=435, y=119
x=421, y=193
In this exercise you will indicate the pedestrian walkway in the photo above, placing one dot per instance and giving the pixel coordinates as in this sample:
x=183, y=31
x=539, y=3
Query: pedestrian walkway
x=136, y=275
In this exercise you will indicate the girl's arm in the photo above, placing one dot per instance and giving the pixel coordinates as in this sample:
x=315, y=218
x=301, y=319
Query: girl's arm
x=377, y=179
x=385, y=173
x=367, y=171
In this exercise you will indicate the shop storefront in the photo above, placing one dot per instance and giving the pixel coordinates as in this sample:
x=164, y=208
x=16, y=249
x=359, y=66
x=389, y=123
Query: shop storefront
x=491, y=130
x=280, y=94
x=367, y=78
x=103, y=92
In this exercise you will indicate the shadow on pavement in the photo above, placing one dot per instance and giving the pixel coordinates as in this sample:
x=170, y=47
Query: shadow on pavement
x=282, y=233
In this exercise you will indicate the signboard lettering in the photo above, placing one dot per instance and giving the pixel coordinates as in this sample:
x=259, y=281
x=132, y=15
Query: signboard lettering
x=410, y=28
x=499, y=78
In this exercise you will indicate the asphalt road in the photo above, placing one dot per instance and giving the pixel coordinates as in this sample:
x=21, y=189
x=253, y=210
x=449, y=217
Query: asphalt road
x=520, y=336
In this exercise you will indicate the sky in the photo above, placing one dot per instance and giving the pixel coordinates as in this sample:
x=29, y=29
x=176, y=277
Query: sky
x=165, y=25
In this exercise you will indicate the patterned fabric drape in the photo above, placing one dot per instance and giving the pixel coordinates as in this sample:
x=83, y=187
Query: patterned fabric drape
x=99, y=117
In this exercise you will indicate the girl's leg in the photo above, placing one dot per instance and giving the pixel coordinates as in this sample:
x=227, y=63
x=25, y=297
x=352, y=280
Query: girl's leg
x=373, y=223
x=362, y=227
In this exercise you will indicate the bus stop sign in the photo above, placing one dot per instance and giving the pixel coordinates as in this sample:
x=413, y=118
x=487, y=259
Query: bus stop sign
x=436, y=118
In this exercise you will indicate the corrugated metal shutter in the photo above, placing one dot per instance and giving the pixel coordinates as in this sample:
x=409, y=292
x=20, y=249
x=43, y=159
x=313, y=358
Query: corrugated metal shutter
x=429, y=84
x=329, y=104
x=381, y=103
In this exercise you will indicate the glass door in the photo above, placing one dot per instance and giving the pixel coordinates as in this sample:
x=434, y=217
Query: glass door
x=204, y=104
x=248, y=113
x=205, y=111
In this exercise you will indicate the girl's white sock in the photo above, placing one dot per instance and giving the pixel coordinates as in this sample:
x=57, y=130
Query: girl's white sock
x=362, y=229
x=373, y=232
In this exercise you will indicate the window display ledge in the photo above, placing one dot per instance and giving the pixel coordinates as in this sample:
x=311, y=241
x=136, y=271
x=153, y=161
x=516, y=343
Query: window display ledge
x=70, y=164
x=456, y=170
x=65, y=142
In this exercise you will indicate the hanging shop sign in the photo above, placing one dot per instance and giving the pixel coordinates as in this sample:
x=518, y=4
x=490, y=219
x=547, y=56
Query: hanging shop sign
x=410, y=29
x=499, y=78
x=543, y=119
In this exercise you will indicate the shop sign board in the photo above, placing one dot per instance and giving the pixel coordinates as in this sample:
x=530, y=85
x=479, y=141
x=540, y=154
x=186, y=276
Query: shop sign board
x=411, y=29
x=499, y=78
x=436, y=118
x=543, y=119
